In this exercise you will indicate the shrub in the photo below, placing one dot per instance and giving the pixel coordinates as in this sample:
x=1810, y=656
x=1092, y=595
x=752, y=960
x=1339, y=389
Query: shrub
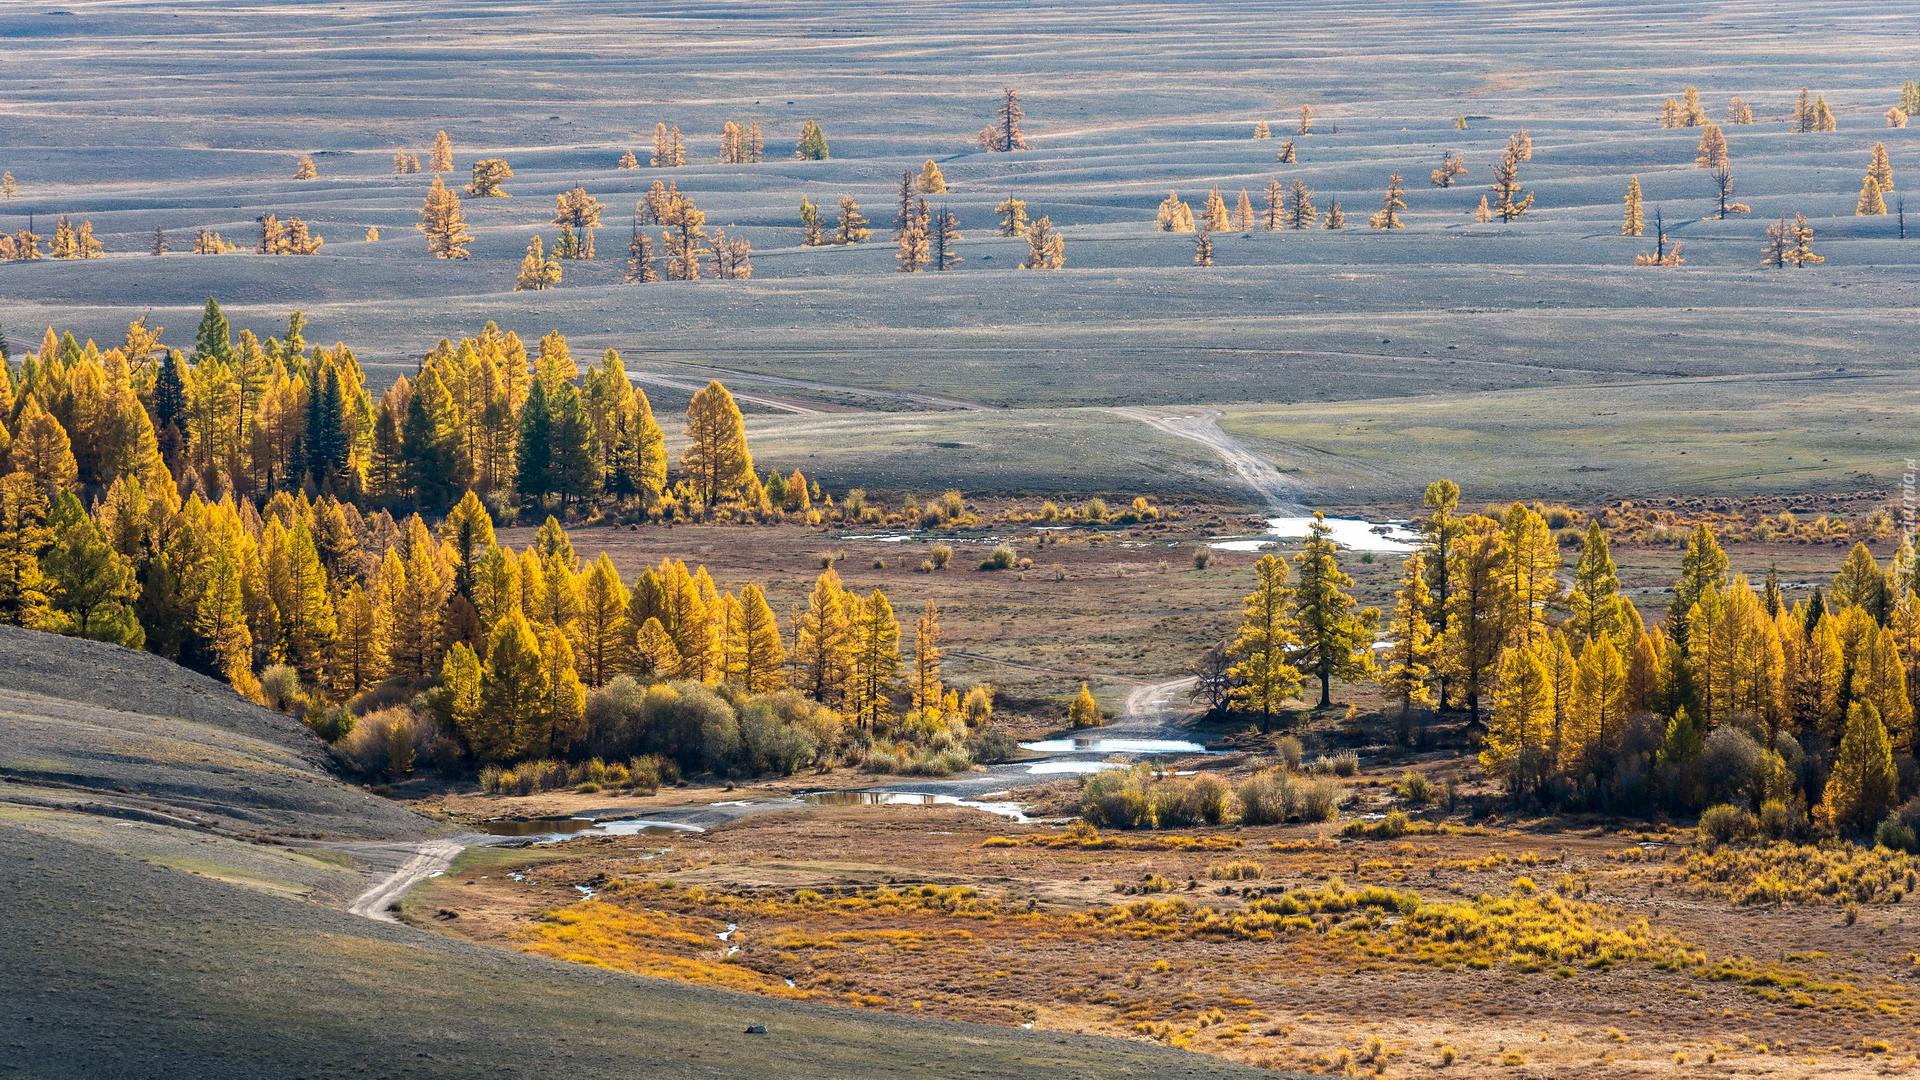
x=1321, y=800
x=280, y=685
x=1895, y=835
x=1289, y=750
x=940, y=555
x=991, y=745
x=1415, y=788
x=1269, y=797
x=879, y=564
x=1094, y=510
x=1003, y=558
x=371, y=746
x=1724, y=824
x=1346, y=763
x=1235, y=870
x=1201, y=557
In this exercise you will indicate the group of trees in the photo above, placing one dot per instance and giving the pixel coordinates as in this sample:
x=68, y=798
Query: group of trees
x=221, y=511
x=1737, y=696
x=1803, y=710
x=69, y=242
x=238, y=418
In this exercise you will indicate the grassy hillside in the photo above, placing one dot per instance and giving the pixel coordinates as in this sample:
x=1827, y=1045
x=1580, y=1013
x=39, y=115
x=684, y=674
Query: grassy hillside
x=119, y=968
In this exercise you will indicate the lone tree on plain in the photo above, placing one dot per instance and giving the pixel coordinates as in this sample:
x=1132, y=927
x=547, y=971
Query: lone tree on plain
x=1243, y=213
x=440, y=158
x=537, y=272
x=1261, y=131
x=1004, y=134
x=1046, y=249
x=1723, y=182
x=1276, y=204
x=444, y=223
x=1013, y=217
x=942, y=231
x=815, y=234
x=581, y=212
x=1871, y=203
x=1450, y=167
x=1215, y=213
x=488, y=175
x=683, y=237
x=931, y=181
x=1203, y=250
x=305, y=170
x=1286, y=155
x=1174, y=215
x=628, y=161
x=1336, y=218
x=851, y=226
x=640, y=268
x=1391, y=205
x=1659, y=256
x=1506, y=178
x=812, y=145
x=1083, y=710
x=1634, y=220
x=1306, y=121
x=1880, y=168
x=1694, y=114
x=1300, y=206
x=1713, y=149
x=1738, y=112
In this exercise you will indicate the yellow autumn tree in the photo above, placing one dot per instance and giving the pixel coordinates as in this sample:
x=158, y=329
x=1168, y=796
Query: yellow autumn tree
x=716, y=462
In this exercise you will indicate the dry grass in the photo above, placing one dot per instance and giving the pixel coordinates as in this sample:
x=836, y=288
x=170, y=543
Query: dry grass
x=1466, y=941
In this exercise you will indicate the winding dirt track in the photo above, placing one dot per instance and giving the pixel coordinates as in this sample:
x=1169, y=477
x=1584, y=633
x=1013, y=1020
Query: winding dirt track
x=1200, y=425
x=408, y=863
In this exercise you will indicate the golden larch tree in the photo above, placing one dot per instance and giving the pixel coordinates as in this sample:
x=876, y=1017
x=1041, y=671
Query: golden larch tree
x=1391, y=205
x=1046, y=249
x=443, y=222
x=716, y=461
x=488, y=175
x=1633, y=221
x=440, y=158
x=1262, y=649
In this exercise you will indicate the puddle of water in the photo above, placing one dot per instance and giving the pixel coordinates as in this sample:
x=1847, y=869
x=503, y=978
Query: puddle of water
x=882, y=538
x=1093, y=744
x=1350, y=533
x=554, y=830
x=909, y=798
x=585, y=893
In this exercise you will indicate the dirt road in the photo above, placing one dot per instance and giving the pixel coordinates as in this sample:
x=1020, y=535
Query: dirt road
x=1203, y=426
x=405, y=864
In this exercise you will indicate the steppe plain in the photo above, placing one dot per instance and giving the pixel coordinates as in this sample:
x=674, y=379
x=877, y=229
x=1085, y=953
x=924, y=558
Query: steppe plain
x=188, y=116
